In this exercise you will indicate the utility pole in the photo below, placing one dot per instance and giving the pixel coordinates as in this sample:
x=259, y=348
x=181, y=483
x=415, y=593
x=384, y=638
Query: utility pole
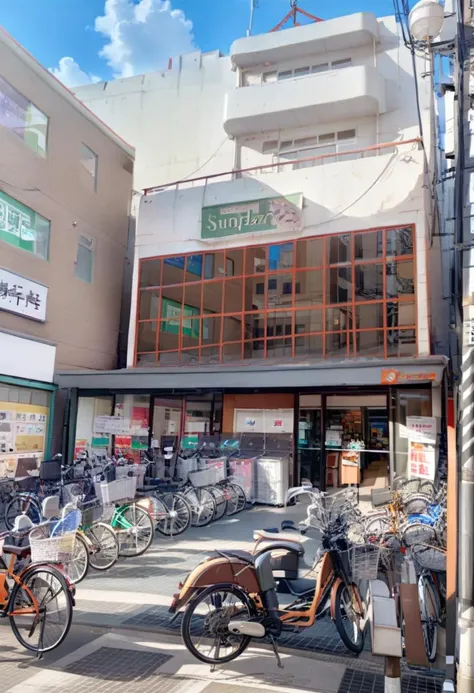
x=465, y=276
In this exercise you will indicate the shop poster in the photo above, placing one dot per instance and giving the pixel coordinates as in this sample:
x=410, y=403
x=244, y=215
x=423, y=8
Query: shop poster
x=23, y=427
x=422, y=429
x=421, y=460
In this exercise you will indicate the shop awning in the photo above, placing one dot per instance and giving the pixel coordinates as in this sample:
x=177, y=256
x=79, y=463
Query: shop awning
x=288, y=375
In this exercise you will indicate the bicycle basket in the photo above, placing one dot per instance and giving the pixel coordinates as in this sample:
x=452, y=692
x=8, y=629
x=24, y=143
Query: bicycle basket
x=91, y=512
x=365, y=561
x=57, y=549
x=430, y=558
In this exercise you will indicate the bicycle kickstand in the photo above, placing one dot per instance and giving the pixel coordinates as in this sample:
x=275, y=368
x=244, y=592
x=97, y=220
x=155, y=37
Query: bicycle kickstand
x=277, y=654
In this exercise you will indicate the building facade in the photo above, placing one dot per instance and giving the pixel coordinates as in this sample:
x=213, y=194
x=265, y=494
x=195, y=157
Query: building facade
x=285, y=269
x=65, y=191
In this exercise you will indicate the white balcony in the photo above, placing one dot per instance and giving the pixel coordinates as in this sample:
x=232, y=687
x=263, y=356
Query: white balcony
x=316, y=99
x=342, y=33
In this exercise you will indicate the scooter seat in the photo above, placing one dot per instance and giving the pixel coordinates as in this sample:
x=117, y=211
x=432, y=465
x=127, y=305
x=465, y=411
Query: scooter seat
x=299, y=586
x=265, y=535
x=237, y=553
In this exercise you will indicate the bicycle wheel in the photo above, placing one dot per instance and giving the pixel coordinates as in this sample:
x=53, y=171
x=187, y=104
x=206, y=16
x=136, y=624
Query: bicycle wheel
x=430, y=609
x=104, y=548
x=417, y=504
x=22, y=505
x=205, y=624
x=135, y=530
x=40, y=610
x=203, y=506
x=377, y=525
x=76, y=568
x=221, y=501
x=76, y=490
x=241, y=498
x=232, y=497
x=172, y=513
x=348, y=617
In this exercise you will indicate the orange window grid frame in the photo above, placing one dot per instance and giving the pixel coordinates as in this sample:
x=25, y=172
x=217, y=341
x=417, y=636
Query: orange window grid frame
x=350, y=332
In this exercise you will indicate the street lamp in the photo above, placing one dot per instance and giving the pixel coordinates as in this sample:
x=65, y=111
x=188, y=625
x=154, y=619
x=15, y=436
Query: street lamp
x=425, y=20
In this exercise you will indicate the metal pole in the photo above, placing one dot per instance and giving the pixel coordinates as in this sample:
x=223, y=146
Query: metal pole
x=252, y=10
x=465, y=673
x=392, y=679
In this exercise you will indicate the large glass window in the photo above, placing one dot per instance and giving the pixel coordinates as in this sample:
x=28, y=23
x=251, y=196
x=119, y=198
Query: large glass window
x=335, y=296
x=22, y=227
x=22, y=117
x=24, y=419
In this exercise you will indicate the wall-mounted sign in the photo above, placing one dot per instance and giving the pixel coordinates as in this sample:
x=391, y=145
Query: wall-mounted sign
x=269, y=214
x=390, y=376
x=22, y=296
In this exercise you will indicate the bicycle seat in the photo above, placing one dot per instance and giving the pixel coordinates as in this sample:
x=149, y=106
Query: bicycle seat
x=266, y=535
x=19, y=551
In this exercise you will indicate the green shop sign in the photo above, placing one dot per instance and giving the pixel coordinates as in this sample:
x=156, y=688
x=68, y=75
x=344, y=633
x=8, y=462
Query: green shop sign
x=268, y=214
x=23, y=227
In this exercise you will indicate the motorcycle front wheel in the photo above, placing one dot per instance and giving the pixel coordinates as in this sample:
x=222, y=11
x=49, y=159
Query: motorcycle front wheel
x=205, y=624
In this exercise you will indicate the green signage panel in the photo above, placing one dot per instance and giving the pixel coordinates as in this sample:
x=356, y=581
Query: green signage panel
x=269, y=214
x=23, y=227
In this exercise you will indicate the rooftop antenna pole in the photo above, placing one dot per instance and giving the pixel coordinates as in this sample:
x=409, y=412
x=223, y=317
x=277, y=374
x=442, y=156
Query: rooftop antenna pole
x=253, y=5
x=294, y=9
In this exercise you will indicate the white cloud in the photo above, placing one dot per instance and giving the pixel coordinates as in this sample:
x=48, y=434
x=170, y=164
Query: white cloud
x=70, y=73
x=143, y=36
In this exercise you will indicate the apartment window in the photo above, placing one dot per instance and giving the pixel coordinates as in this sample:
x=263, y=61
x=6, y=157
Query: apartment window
x=306, y=70
x=22, y=117
x=89, y=160
x=85, y=259
x=332, y=289
x=23, y=228
x=307, y=147
x=338, y=64
x=270, y=77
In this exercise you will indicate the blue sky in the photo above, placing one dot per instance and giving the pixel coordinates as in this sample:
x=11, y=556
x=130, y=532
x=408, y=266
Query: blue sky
x=138, y=35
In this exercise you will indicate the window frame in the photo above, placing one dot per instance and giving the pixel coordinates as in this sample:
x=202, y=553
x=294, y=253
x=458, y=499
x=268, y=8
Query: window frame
x=7, y=237
x=94, y=175
x=91, y=248
x=389, y=319
x=44, y=154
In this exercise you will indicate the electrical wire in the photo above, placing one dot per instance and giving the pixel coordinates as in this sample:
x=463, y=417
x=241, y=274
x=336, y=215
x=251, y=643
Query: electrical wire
x=183, y=180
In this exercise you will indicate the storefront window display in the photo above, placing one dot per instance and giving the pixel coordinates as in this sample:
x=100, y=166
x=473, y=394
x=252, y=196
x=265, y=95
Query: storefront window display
x=24, y=423
x=339, y=296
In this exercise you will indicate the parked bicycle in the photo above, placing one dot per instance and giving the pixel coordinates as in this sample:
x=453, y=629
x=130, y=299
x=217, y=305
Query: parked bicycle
x=231, y=598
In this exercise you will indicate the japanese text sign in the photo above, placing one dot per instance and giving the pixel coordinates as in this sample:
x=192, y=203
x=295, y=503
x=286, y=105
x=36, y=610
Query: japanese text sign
x=421, y=429
x=22, y=296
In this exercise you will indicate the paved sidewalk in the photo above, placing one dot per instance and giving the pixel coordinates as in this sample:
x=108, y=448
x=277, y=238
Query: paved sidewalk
x=124, y=661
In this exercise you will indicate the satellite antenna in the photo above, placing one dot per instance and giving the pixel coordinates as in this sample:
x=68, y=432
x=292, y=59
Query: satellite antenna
x=293, y=14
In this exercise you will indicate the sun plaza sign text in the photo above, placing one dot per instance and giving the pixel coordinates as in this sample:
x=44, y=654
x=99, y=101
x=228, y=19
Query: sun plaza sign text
x=269, y=214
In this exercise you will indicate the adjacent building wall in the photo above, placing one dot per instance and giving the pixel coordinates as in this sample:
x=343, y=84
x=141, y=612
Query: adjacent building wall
x=82, y=318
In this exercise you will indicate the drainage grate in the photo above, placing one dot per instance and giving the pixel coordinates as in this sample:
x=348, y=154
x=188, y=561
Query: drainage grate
x=322, y=637
x=366, y=682
x=117, y=664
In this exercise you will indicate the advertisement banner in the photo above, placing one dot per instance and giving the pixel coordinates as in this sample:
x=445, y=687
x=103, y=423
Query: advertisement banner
x=111, y=424
x=282, y=213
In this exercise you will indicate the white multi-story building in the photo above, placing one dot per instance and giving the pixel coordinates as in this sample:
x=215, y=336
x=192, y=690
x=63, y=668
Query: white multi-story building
x=284, y=242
